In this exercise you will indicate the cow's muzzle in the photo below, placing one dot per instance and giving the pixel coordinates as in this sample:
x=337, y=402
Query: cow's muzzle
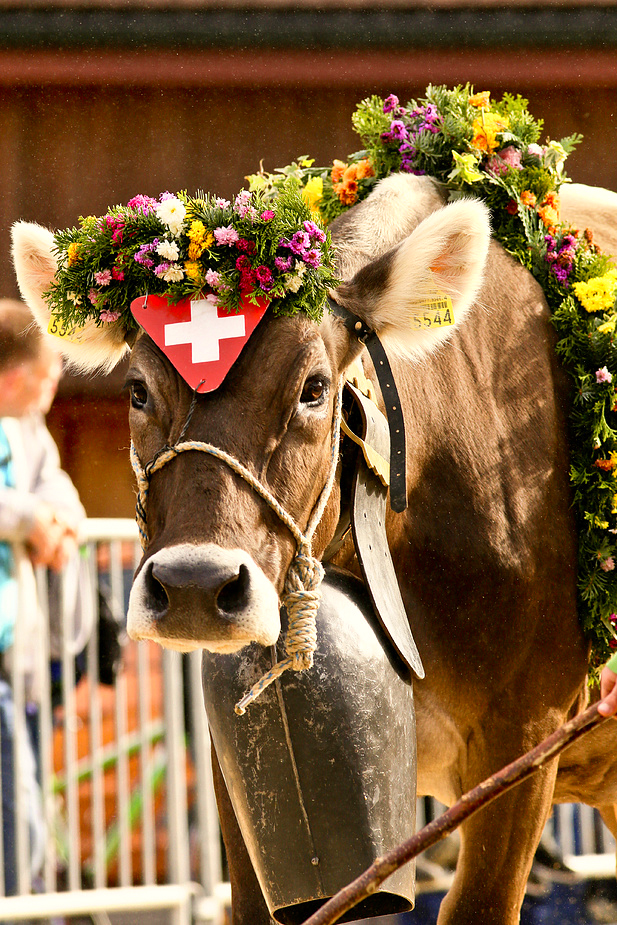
x=187, y=597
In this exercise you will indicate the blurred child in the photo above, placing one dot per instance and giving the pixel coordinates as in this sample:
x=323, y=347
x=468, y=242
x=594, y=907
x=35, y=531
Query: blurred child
x=39, y=515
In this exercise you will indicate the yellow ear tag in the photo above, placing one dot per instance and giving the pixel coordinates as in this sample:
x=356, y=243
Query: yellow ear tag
x=59, y=328
x=438, y=313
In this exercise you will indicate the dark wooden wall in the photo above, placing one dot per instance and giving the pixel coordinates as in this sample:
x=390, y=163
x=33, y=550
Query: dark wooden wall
x=70, y=149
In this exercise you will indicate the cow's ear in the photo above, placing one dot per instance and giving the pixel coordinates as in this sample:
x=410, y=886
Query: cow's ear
x=35, y=264
x=405, y=294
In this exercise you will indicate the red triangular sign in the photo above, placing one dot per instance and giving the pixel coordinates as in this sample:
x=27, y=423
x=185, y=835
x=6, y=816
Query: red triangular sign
x=200, y=339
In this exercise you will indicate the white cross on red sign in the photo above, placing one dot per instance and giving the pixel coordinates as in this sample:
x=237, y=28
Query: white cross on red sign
x=204, y=331
x=201, y=340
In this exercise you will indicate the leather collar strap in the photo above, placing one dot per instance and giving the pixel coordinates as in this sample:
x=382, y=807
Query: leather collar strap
x=389, y=392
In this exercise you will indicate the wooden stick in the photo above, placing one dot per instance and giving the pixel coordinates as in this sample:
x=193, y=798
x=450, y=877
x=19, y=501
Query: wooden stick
x=513, y=774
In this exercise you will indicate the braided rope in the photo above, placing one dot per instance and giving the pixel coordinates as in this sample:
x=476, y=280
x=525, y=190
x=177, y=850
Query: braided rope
x=302, y=592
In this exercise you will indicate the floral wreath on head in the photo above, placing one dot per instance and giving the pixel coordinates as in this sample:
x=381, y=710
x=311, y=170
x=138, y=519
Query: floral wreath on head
x=490, y=149
x=184, y=246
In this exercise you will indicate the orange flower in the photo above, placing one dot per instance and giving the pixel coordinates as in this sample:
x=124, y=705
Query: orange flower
x=364, y=169
x=485, y=131
x=549, y=210
x=348, y=192
x=606, y=464
x=528, y=198
x=338, y=170
x=480, y=100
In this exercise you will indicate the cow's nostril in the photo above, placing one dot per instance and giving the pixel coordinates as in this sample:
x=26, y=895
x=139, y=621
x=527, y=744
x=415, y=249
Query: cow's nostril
x=234, y=595
x=157, y=599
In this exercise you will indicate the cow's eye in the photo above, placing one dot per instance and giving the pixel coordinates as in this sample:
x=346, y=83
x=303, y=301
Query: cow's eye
x=139, y=395
x=315, y=390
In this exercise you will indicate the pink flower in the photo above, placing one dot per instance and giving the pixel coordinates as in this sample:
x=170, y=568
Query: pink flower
x=102, y=278
x=106, y=315
x=226, y=234
x=117, y=273
x=603, y=375
x=608, y=564
x=93, y=296
x=221, y=203
x=267, y=216
x=502, y=161
x=213, y=278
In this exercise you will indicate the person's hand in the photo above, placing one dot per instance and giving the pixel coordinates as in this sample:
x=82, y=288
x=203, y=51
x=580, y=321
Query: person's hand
x=53, y=538
x=608, y=692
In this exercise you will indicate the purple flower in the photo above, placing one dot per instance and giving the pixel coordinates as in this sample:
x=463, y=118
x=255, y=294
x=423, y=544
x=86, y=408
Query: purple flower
x=141, y=255
x=162, y=268
x=314, y=231
x=165, y=196
x=226, y=234
x=313, y=258
x=390, y=103
x=603, y=375
x=397, y=131
x=283, y=264
x=299, y=243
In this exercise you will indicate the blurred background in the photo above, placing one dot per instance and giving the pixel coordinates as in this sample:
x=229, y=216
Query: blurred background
x=104, y=99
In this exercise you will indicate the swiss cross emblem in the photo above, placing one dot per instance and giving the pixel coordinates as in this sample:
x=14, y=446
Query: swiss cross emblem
x=200, y=339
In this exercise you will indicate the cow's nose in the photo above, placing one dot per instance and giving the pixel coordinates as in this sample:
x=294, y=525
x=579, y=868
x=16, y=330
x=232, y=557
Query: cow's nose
x=203, y=595
x=217, y=588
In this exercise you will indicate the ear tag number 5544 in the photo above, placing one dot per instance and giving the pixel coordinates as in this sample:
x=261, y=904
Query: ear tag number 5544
x=438, y=313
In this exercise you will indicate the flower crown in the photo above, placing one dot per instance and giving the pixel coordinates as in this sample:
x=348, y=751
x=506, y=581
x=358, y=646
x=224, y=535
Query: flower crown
x=475, y=146
x=183, y=246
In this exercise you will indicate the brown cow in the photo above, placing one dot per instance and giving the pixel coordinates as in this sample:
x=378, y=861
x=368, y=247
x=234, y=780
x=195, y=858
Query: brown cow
x=485, y=553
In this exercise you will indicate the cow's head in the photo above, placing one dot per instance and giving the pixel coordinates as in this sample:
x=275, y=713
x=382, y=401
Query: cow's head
x=217, y=554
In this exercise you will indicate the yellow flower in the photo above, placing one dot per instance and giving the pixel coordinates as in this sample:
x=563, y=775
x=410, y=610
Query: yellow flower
x=194, y=271
x=485, y=130
x=609, y=326
x=597, y=295
x=614, y=508
x=73, y=254
x=481, y=100
x=200, y=239
x=313, y=193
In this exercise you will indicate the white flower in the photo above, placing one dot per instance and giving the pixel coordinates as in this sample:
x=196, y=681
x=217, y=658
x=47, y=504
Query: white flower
x=171, y=212
x=168, y=250
x=173, y=273
x=74, y=298
x=293, y=281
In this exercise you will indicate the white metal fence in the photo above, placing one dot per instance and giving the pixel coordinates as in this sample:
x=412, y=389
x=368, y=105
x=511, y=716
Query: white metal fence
x=130, y=818
x=126, y=826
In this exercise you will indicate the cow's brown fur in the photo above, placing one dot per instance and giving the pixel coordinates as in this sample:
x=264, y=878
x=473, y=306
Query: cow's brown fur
x=485, y=553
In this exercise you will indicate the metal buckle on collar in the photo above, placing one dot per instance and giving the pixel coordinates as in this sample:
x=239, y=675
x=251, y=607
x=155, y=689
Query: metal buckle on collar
x=390, y=396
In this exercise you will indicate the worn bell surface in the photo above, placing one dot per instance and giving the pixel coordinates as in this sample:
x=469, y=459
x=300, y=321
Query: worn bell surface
x=321, y=769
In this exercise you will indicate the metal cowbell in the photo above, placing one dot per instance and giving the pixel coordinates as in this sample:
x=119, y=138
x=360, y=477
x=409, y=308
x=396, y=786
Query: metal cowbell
x=321, y=770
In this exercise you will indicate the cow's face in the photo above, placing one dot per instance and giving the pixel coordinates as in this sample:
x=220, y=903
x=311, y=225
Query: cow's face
x=217, y=554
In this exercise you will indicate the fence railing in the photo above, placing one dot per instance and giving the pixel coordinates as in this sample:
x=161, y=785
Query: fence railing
x=124, y=768
x=125, y=824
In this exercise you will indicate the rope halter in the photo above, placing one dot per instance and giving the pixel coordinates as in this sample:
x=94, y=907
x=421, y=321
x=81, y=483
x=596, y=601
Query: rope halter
x=301, y=592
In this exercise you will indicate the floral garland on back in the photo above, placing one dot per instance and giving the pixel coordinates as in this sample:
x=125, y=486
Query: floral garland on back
x=478, y=147
x=192, y=246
